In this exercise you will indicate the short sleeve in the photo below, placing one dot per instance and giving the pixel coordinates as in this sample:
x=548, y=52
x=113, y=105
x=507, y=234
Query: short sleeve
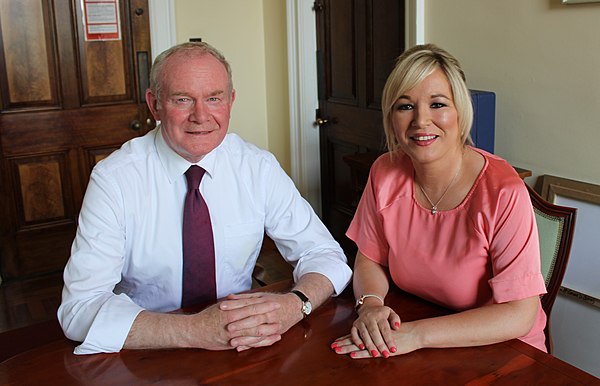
x=515, y=248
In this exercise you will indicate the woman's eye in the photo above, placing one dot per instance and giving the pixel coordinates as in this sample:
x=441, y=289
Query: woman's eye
x=437, y=105
x=404, y=106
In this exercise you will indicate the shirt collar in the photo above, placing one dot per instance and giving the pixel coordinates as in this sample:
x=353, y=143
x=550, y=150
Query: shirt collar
x=175, y=165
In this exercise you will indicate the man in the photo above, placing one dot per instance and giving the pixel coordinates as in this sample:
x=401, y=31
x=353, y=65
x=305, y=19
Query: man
x=126, y=270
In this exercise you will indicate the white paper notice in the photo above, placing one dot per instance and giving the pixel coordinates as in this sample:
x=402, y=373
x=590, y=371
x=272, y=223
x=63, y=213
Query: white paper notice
x=101, y=20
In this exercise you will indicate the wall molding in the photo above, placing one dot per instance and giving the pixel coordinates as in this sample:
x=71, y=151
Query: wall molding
x=162, y=25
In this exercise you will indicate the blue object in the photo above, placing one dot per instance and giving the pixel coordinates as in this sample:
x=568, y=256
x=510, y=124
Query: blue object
x=484, y=119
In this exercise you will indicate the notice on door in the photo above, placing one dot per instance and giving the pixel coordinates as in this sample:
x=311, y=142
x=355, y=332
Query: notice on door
x=101, y=19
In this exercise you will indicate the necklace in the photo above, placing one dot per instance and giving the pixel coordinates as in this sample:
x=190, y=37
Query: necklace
x=434, y=207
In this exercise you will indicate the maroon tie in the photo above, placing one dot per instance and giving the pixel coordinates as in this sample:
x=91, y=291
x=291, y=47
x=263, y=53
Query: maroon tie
x=198, y=246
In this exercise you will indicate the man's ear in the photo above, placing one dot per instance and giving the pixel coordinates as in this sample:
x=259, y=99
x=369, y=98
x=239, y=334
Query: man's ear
x=152, y=103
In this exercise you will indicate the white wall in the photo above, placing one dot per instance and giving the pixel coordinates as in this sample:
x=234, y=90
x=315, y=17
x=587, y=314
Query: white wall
x=542, y=60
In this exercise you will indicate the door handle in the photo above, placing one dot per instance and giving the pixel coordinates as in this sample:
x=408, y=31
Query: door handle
x=321, y=121
x=135, y=125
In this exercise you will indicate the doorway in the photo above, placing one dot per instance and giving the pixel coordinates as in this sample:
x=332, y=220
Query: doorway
x=357, y=45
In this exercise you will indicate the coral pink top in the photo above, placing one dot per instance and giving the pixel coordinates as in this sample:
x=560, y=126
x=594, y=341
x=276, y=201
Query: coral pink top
x=484, y=251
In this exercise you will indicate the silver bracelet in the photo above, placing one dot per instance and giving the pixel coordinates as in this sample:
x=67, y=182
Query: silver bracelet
x=361, y=300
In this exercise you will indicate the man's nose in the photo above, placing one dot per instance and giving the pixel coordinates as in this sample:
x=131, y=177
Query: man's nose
x=199, y=113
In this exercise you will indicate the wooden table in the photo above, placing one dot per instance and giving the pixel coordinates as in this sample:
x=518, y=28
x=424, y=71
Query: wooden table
x=302, y=357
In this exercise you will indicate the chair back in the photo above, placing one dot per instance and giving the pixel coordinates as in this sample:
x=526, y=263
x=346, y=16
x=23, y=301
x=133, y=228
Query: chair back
x=556, y=226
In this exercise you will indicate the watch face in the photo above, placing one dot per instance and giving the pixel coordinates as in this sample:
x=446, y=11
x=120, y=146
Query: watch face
x=307, y=308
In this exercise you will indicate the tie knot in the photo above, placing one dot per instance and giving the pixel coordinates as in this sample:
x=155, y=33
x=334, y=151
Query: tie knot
x=193, y=176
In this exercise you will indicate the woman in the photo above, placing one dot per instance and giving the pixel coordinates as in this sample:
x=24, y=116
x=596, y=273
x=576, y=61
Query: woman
x=443, y=220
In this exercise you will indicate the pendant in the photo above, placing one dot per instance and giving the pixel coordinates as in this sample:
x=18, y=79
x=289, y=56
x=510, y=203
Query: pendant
x=434, y=210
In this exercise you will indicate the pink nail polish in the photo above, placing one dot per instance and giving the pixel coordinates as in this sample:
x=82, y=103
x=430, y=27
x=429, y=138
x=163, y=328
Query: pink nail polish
x=397, y=324
x=385, y=354
x=338, y=350
x=393, y=349
x=361, y=346
x=334, y=345
x=353, y=354
x=373, y=353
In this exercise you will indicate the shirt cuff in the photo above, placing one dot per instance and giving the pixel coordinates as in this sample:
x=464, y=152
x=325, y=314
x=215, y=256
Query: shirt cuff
x=110, y=327
x=517, y=289
x=328, y=264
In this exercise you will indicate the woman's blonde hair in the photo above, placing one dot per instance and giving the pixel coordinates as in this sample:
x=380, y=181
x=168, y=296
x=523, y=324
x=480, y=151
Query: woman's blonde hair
x=414, y=65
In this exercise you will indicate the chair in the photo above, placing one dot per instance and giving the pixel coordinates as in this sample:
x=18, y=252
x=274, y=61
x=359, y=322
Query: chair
x=556, y=226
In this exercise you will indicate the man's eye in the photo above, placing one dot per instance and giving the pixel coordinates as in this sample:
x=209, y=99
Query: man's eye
x=213, y=99
x=183, y=100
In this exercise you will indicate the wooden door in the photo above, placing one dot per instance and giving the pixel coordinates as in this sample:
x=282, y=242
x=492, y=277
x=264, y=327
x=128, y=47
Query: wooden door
x=358, y=42
x=67, y=99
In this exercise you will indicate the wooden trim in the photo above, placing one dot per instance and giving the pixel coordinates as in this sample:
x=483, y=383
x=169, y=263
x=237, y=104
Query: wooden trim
x=304, y=136
x=162, y=25
x=551, y=186
x=592, y=301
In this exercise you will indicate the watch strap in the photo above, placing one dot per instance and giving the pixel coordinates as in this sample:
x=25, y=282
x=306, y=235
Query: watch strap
x=306, y=304
x=300, y=295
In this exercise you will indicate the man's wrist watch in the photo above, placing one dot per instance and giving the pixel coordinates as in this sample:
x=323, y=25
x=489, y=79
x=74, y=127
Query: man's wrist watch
x=306, y=304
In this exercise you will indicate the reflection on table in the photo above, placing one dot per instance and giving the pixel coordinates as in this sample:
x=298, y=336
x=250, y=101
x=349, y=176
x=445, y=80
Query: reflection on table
x=302, y=357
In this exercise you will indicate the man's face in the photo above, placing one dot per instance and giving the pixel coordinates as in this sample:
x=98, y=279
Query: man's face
x=194, y=105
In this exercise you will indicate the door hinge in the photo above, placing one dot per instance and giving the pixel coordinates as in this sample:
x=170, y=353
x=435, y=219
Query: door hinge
x=318, y=6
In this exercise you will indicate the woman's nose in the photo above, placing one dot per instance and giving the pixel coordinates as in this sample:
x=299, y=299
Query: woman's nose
x=422, y=117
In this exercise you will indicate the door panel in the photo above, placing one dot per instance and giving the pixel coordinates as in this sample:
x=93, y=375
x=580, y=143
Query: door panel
x=28, y=65
x=65, y=104
x=358, y=42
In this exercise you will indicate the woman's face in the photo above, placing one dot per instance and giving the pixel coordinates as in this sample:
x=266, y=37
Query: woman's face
x=425, y=120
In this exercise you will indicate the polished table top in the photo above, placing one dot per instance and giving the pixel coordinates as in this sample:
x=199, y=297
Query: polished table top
x=302, y=357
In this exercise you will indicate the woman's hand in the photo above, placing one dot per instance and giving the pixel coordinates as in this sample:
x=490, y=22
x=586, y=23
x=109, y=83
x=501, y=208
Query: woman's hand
x=371, y=333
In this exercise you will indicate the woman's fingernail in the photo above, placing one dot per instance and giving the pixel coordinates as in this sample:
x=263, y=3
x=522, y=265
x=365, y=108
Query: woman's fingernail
x=353, y=354
x=385, y=354
x=393, y=349
x=361, y=346
x=338, y=349
x=397, y=324
x=373, y=353
x=334, y=345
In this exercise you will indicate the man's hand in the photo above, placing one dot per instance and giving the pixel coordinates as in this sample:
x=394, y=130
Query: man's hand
x=240, y=321
x=209, y=327
x=259, y=319
x=213, y=328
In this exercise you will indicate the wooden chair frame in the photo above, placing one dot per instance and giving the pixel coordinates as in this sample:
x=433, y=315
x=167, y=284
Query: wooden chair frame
x=557, y=272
